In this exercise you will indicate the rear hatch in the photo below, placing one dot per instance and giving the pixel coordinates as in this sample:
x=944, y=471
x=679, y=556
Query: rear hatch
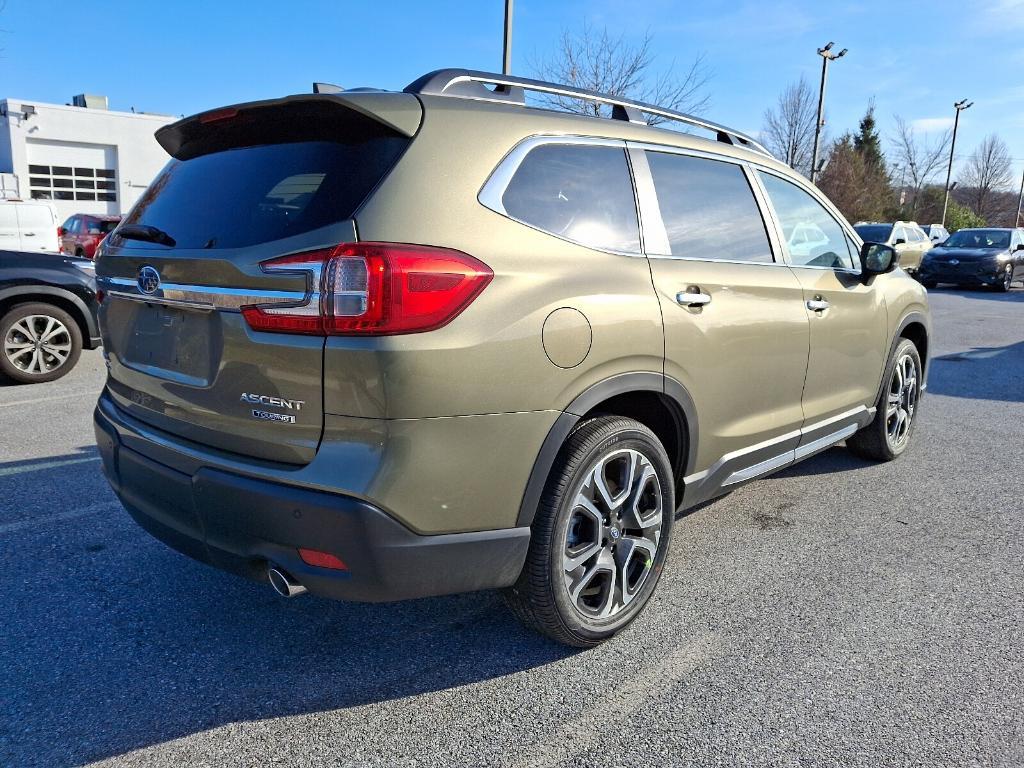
x=246, y=185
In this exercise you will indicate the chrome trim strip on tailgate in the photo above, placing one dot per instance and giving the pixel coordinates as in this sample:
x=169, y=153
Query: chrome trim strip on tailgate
x=205, y=298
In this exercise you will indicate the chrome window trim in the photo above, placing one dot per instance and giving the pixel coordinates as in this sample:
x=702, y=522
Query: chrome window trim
x=492, y=191
x=661, y=234
x=654, y=237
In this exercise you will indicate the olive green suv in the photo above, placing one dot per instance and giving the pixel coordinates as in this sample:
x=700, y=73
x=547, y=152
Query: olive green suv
x=377, y=345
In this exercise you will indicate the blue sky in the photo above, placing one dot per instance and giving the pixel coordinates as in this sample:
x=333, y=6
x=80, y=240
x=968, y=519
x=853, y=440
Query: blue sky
x=913, y=58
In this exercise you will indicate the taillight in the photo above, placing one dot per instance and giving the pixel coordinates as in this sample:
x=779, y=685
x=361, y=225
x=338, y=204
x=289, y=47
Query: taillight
x=374, y=289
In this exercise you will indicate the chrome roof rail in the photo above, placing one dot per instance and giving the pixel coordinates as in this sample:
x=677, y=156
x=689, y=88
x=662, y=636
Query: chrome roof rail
x=472, y=84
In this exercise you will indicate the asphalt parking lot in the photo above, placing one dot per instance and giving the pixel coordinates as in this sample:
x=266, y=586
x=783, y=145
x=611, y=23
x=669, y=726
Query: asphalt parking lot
x=837, y=613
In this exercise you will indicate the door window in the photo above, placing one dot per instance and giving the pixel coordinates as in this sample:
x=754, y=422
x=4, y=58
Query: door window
x=580, y=192
x=708, y=209
x=813, y=237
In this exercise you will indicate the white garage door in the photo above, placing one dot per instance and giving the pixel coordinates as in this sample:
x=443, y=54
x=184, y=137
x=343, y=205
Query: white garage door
x=79, y=178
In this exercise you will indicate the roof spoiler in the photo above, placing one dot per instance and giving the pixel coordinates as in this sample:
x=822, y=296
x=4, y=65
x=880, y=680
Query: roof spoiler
x=400, y=112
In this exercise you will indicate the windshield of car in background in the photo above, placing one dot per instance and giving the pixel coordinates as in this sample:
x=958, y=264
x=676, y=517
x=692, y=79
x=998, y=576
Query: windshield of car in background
x=874, y=233
x=979, y=238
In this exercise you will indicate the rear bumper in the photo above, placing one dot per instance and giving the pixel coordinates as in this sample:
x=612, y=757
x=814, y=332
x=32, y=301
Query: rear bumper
x=241, y=523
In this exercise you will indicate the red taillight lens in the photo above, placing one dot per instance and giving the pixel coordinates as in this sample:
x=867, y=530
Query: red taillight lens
x=320, y=559
x=375, y=289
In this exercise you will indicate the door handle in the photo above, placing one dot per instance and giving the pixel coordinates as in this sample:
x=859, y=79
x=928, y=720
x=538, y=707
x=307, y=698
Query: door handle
x=692, y=297
x=818, y=304
x=28, y=234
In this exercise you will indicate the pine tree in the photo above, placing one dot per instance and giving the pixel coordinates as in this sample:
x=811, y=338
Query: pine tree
x=867, y=141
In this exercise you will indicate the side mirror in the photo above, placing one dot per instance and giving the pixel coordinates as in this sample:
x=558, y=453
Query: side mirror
x=877, y=259
x=62, y=231
x=1020, y=247
x=900, y=241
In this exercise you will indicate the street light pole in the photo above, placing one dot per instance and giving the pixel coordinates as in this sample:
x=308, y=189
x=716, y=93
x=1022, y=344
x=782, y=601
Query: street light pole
x=506, y=51
x=959, y=107
x=826, y=56
x=1020, y=201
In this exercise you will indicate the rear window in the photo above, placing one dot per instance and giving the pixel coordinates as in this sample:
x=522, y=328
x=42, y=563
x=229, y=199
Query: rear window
x=874, y=233
x=583, y=193
x=267, y=175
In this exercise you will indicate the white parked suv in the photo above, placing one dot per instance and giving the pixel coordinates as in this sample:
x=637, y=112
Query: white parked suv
x=28, y=225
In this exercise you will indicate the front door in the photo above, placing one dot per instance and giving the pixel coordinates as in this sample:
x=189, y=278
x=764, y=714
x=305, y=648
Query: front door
x=847, y=316
x=736, y=332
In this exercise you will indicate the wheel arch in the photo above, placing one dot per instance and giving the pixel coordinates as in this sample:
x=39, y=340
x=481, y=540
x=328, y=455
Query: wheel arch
x=916, y=327
x=659, y=402
x=66, y=300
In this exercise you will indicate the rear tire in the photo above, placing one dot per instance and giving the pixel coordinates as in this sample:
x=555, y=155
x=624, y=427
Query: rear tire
x=600, y=536
x=38, y=342
x=888, y=435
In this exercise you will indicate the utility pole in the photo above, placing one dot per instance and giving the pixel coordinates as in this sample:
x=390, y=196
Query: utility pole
x=506, y=58
x=826, y=56
x=1020, y=201
x=959, y=107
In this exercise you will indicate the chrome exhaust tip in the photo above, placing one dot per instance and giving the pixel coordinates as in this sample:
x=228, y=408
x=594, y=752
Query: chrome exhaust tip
x=284, y=584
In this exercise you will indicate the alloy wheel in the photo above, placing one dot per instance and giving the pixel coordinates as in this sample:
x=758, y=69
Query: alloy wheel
x=37, y=344
x=901, y=402
x=1007, y=278
x=613, y=534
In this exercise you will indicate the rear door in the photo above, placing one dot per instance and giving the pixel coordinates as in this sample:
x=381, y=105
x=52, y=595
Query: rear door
x=847, y=317
x=736, y=333
x=10, y=237
x=38, y=227
x=245, y=187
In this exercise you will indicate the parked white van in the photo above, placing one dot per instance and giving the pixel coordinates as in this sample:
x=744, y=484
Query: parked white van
x=28, y=225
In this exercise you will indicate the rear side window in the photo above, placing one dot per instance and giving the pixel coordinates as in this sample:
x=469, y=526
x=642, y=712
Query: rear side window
x=813, y=237
x=708, y=209
x=269, y=177
x=581, y=192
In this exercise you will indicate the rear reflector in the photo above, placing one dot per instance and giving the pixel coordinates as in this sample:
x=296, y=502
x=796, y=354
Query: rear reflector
x=374, y=289
x=320, y=559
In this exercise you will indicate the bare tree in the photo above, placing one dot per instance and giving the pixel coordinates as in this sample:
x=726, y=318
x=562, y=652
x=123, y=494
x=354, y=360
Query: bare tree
x=987, y=174
x=922, y=158
x=600, y=62
x=789, y=128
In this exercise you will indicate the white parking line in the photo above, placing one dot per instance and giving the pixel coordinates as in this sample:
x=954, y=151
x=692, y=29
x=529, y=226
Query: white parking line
x=6, y=471
x=49, y=399
x=34, y=522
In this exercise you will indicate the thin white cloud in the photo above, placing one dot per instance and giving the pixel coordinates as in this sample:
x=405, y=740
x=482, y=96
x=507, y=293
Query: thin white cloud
x=930, y=124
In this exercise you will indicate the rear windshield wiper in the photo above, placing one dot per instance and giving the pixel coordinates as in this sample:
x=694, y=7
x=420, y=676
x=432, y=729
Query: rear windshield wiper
x=146, y=233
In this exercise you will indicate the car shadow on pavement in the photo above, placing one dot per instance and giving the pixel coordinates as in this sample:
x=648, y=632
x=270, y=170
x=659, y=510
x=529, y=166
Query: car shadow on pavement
x=1015, y=294
x=984, y=373
x=112, y=642
x=828, y=462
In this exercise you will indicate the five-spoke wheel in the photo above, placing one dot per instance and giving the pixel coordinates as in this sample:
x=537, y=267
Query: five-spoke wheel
x=601, y=533
x=612, y=533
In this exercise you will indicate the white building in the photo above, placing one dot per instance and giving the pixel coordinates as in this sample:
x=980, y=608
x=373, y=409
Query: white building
x=86, y=159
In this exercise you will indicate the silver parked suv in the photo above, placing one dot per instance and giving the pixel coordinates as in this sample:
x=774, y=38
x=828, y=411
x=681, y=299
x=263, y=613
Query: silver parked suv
x=384, y=345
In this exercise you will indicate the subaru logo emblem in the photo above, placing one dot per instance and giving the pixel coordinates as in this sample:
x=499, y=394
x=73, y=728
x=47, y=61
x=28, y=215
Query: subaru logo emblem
x=148, y=279
x=954, y=262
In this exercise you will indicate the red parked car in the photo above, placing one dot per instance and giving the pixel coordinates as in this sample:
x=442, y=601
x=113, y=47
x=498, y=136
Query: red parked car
x=82, y=233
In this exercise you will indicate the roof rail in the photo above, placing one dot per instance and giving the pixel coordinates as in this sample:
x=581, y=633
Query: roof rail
x=472, y=84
